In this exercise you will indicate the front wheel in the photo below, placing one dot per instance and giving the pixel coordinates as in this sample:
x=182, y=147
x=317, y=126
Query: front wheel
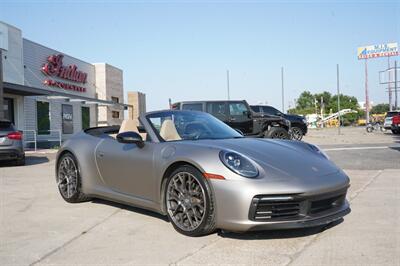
x=277, y=133
x=189, y=202
x=69, y=180
x=297, y=133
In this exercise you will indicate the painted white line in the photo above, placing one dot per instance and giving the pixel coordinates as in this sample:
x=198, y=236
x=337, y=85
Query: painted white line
x=357, y=148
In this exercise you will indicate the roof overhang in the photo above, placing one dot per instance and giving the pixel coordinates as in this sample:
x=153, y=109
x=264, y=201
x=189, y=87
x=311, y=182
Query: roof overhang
x=17, y=89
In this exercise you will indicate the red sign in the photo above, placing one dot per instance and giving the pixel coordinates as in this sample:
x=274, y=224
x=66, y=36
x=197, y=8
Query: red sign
x=55, y=67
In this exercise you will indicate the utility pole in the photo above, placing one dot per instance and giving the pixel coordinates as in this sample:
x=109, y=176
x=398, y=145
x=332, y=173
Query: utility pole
x=1, y=86
x=395, y=85
x=283, y=92
x=227, y=84
x=389, y=87
x=338, y=96
x=366, y=92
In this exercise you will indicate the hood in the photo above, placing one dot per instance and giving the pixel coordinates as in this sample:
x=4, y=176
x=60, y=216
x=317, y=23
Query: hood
x=294, y=117
x=284, y=158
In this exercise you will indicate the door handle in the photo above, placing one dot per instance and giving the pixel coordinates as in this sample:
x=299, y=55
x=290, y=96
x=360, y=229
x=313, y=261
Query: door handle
x=100, y=154
x=232, y=119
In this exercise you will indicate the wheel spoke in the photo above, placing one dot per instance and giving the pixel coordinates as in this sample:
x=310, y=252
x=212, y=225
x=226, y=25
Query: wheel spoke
x=67, y=177
x=185, y=201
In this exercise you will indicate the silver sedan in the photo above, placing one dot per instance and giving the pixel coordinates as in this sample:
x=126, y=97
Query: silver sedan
x=203, y=174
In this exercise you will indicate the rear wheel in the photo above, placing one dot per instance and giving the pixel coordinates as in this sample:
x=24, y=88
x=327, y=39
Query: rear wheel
x=69, y=180
x=20, y=161
x=396, y=131
x=189, y=202
x=277, y=133
x=297, y=133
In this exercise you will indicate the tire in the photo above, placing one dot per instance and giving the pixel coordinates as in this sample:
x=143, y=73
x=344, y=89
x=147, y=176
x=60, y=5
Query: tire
x=277, y=133
x=191, y=211
x=370, y=129
x=69, y=180
x=297, y=133
x=21, y=161
x=395, y=131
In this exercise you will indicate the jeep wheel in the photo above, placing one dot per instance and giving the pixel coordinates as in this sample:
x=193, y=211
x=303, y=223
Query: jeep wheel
x=277, y=133
x=297, y=133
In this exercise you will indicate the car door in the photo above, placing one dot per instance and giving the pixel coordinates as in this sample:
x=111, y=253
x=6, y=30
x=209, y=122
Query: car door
x=239, y=117
x=126, y=168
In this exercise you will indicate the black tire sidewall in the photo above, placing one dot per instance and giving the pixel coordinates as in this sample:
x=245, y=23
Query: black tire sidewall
x=209, y=202
x=75, y=197
x=275, y=130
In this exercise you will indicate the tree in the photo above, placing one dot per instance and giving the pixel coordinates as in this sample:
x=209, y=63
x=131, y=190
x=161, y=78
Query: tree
x=305, y=100
x=380, y=108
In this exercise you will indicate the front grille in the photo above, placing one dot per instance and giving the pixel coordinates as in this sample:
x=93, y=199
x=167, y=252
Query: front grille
x=291, y=207
x=281, y=209
x=326, y=204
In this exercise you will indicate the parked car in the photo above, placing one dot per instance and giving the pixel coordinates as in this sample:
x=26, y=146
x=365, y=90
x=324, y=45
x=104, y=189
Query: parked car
x=203, y=175
x=11, y=146
x=298, y=123
x=395, y=124
x=388, y=119
x=238, y=115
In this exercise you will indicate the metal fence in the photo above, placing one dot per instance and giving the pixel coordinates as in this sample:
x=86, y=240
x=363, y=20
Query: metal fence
x=31, y=136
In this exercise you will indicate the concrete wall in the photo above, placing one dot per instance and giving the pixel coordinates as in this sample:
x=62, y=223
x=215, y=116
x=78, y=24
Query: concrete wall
x=138, y=101
x=109, y=83
x=13, y=65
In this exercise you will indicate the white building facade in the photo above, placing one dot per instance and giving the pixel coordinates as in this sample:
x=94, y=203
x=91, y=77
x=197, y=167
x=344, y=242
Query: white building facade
x=50, y=94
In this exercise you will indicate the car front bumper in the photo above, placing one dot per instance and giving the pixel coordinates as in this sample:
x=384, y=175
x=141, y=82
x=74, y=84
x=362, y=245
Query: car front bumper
x=236, y=207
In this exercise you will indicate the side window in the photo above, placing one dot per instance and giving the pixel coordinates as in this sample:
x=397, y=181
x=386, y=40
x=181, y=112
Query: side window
x=237, y=109
x=269, y=110
x=192, y=106
x=217, y=109
x=255, y=108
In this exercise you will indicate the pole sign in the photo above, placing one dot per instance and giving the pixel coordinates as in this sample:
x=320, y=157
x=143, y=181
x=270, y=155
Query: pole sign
x=380, y=50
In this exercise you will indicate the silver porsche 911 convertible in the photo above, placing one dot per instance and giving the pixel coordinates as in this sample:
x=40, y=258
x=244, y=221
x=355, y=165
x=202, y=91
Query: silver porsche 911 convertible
x=203, y=174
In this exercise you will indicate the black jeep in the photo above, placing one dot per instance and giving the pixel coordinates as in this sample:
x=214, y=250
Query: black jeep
x=238, y=115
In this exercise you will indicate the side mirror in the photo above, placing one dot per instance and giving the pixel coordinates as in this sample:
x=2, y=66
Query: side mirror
x=239, y=131
x=247, y=113
x=130, y=137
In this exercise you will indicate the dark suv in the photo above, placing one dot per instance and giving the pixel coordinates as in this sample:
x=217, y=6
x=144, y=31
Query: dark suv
x=11, y=147
x=298, y=123
x=238, y=115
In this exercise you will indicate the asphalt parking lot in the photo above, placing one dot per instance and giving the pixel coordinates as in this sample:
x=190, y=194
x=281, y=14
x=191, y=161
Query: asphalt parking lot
x=39, y=228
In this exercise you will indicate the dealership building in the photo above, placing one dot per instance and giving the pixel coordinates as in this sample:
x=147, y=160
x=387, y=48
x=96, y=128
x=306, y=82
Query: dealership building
x=51, y=95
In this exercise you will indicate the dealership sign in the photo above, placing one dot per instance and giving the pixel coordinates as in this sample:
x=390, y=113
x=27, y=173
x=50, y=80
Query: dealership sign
x=54, y=67
x=381, y=50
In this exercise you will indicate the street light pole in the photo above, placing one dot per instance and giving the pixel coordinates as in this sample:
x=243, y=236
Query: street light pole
x=227, y=84
x=1, y=86
x=366, y=92
x=338, y=95
x=395, y=85
x=283, y=92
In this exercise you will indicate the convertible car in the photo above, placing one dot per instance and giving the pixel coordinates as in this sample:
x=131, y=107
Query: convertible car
x=203, y=174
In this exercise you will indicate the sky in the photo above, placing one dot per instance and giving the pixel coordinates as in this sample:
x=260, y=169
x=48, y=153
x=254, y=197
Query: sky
x=183, y=49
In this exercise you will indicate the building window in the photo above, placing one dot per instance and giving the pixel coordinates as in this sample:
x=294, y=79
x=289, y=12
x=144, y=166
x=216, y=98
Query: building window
x=43, y=118
x=85, y=117
x=115, y=114
x=67, y=119
x=114, y=99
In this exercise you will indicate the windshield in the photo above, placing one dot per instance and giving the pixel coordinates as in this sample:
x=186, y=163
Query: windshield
x=189, y=125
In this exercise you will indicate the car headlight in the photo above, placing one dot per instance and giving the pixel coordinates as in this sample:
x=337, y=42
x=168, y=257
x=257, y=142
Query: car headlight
x=238, y=164
x=319, y=151
x=304, y=121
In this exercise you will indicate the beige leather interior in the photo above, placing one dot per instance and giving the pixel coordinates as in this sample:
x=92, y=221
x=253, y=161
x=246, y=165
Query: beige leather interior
x=168, y=131
x=131, y=125
x=128, y=125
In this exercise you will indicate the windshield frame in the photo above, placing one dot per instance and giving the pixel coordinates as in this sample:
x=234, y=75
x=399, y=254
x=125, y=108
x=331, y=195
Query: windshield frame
x=147, y=117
